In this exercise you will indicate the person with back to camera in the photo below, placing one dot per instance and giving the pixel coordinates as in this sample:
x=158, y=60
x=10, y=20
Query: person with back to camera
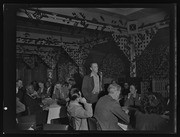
x=91, y=85
x=151, y=115
x=79, y=109
x=108, y=111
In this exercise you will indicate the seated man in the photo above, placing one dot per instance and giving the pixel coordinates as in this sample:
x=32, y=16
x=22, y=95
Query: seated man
x=33, y=103
x=79, y=109
x=108, y=110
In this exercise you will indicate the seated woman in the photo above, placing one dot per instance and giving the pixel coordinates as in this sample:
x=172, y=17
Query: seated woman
x=151, y=115
x=133, y=98
x=79, y=109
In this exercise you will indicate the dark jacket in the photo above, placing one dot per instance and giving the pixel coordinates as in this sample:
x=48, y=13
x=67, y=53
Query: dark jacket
x=33, y=105
x=87, y=87
x=20, y=94
x=108, y=112
x=153, y=122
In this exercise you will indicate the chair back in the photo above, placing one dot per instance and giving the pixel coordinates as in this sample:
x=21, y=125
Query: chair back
x=72, y=123
x=25, y=122
x=93, y=124
x=55, y=127
x=63, y=121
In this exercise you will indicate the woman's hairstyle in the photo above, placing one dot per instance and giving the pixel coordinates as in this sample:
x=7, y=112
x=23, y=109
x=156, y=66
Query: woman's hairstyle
x=152, y=103
x=74, y=94
x=133, y=84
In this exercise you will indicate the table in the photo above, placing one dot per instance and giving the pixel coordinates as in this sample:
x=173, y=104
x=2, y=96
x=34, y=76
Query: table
x=53, y=109
x=130, y=111
x=54, y=112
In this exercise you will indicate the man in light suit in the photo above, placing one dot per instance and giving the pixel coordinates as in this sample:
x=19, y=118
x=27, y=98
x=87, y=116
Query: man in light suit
x=91, y=85
x=108, y=111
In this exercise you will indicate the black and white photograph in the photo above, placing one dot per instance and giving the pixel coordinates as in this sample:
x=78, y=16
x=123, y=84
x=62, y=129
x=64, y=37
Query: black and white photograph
x=73, y=69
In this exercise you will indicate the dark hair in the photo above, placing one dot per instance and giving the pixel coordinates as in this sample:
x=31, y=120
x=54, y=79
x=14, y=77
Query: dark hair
x=133, y=84
x=74, y=93
x=18, y=80
x=152, y=103
x=93, y=63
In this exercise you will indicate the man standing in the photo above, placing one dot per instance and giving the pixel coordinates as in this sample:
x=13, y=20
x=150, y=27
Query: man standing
x=108, y=111
x=91, y=85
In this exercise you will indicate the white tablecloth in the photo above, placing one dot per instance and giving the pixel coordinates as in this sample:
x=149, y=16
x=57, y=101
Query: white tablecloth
x=123, y=126
x=54, y=112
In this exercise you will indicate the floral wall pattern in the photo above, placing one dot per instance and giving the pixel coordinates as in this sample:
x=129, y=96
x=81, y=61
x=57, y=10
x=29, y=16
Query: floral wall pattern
x=48, y=54
x=154, y=62
x=112, y=67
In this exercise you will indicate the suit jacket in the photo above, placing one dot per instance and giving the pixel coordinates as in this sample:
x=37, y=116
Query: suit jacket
x=20, y=94
x=87, y=87
x=80, y=114
x=108, y=112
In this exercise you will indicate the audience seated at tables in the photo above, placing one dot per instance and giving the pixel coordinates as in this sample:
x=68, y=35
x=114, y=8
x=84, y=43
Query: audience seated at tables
x=151, y=115
x=133, y=99
x=33, y=103
x=79, y=109
x=108, y=111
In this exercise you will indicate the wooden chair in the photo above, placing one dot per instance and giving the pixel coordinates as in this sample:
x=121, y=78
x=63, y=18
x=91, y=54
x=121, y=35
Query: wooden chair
x=93, y=124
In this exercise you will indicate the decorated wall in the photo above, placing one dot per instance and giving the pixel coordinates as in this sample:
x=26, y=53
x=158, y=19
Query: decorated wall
x=154, y=61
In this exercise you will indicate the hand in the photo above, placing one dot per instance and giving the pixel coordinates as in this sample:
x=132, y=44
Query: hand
x=82, y=100
x=125, y=110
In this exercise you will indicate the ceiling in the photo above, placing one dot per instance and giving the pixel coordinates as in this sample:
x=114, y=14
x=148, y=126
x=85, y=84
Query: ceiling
x=97, y=18
x=122, y=11
x=130, y=13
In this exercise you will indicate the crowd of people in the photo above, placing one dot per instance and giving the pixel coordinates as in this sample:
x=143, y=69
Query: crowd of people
x=109, y=105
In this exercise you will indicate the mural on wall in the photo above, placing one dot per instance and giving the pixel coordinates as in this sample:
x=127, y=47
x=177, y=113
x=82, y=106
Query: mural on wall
x=112, y=66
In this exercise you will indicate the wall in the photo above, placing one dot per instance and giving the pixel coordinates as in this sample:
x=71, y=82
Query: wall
x=154, y=61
